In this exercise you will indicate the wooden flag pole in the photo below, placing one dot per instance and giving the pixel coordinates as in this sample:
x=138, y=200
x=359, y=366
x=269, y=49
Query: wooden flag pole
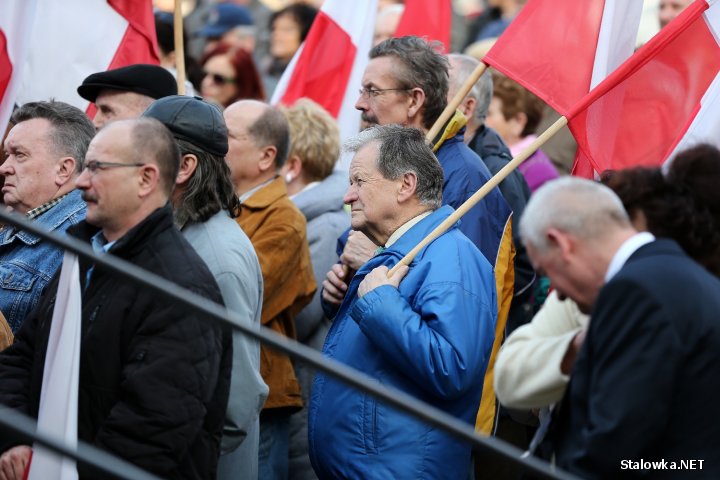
x=179, y=48
x=484, y=190
x=455, y=102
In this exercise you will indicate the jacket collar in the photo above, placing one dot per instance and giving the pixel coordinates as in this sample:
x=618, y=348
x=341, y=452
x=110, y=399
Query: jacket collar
x=267, y=195
x=70, y=205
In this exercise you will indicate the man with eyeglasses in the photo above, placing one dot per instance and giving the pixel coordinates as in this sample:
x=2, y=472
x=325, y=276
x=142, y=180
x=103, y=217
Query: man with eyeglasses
x=154, y=374
x=45, y=153
x=406, y=83
x=126, y=92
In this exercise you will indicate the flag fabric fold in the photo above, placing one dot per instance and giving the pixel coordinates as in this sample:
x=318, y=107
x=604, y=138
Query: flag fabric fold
x=58, y=412
x=329, y=66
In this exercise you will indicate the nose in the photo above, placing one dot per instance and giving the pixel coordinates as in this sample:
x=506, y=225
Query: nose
x=83, y=180
x=362, y=103
x=350, y=195
x=6, y=167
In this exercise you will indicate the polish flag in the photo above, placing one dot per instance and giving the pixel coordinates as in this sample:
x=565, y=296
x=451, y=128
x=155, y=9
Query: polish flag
x=16, y=18
x=328, y=67
x=58, y=412
x=426, y=18
x=72, y=39
x=561, y=49
x=664, y=99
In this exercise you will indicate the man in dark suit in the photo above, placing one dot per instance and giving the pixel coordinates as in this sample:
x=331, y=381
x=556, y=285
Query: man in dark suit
x=646, y=375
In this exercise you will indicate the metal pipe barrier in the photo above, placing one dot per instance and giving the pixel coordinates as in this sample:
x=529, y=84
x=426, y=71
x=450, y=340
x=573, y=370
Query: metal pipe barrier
x=347, y=375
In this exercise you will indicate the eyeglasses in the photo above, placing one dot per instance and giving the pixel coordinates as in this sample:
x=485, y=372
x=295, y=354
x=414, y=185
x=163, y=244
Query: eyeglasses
x=375, y=92
x=219, y=79
x=93, y=165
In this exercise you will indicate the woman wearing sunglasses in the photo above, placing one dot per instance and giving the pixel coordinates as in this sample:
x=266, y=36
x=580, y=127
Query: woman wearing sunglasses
x=230, y=75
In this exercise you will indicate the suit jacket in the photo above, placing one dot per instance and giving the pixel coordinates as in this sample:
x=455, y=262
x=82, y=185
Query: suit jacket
x=647, y=377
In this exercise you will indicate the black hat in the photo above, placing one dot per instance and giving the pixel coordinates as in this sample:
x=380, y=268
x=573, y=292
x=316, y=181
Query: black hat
x=151, y=80
x=194, y=120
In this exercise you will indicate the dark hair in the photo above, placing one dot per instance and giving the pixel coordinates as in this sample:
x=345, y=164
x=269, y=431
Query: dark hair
x=517, y=99
x=72, y=129
x=302, y=14
x=209, y=190
x=681, y=205
x=151, y=139
x=422, y=67
x=165, y=32
x=271, y=128
x=247, y=79
x=402, y=150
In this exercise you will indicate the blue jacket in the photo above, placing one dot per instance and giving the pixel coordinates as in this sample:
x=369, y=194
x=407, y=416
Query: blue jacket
x=27, y=263
x=431, y=339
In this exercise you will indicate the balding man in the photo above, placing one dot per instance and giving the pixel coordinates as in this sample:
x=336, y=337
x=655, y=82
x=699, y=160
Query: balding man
x=154, y=375
x=646, y=376
x=46, y=150
x=259, y=141
x=124, y=93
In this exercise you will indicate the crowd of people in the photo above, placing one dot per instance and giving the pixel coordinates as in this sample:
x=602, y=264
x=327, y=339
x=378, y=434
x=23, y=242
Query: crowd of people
x=240, y=202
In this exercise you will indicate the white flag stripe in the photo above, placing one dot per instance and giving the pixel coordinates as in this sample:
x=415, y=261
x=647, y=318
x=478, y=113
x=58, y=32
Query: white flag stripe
x=58, y=412
x=63, y=49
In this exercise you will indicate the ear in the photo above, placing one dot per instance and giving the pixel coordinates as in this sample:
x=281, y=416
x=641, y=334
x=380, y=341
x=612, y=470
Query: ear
x=407, y=187
x=188, y=165
x=293, y=167
x=148, y=179
x=267, y=158
x=66, y=169
x=564, y=242
x=416, y=102
x=518, y=123
x=467, y=107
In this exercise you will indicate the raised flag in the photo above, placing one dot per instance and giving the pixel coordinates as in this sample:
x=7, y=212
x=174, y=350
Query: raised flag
x=665, y=98
x=58, y=411
x=16, y=17
x=560, y=49
x=328, y=67
x=430, y=19
x=73, y=38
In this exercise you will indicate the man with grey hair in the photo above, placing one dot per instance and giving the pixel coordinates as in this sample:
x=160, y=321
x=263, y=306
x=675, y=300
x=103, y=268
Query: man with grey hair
x=427, y=330
x=646, y=373
x=45, y=154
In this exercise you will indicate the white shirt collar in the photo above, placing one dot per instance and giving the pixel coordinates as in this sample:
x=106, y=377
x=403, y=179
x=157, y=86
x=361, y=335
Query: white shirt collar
x=405, y=227
x=629, y=246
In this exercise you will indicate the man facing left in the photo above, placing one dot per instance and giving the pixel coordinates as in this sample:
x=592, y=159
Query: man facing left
x=154, y=375
x=45, y=153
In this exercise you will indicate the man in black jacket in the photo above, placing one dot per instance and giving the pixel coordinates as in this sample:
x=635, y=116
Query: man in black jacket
x=154, y=375
x=646, y=375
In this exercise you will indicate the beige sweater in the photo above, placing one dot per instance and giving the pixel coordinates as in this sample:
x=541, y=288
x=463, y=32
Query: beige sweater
x=527, y=371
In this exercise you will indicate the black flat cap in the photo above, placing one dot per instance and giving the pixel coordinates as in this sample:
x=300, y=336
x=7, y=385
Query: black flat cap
x=194, y=120
x=151, y=80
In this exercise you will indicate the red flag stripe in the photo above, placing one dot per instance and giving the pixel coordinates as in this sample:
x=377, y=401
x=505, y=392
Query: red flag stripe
x=6, y=67
x=426, y=18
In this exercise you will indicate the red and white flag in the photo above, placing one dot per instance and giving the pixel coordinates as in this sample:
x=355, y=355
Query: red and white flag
x=16, y=18
x=561, y=49
x=663, y=99
x=72, y=39
x=58, y=412
x=430, y=19
x=328, y=67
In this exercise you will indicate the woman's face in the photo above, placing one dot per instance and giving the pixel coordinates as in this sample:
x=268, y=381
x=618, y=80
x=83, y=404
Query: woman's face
x=285, y=37
x=218, y=85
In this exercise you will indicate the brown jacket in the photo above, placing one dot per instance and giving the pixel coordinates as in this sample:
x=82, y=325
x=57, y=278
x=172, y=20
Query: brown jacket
x=277, y=230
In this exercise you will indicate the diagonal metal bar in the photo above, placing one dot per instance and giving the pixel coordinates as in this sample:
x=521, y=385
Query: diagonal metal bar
x=347, y=375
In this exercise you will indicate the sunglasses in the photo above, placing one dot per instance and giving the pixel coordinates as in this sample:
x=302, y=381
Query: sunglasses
x=219, y=79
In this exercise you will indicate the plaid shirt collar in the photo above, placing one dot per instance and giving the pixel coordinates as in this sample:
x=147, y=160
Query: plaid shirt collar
x=36, y=212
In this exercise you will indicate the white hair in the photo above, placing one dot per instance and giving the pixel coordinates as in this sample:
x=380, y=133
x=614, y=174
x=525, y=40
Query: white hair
x=574, y=205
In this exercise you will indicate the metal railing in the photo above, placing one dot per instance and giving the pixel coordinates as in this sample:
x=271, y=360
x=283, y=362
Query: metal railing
x=218, y=313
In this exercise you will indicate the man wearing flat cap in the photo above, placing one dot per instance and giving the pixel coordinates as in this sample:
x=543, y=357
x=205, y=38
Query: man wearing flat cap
x=124, y=93
x=204, y=205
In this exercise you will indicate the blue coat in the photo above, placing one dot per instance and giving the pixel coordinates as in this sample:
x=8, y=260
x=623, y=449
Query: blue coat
x=431, y=339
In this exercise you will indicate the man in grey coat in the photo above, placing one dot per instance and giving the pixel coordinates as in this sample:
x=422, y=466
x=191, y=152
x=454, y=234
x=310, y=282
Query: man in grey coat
x=204, y=203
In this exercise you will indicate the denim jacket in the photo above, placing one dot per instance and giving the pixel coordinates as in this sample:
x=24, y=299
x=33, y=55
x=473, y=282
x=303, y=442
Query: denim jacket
x=27, y=263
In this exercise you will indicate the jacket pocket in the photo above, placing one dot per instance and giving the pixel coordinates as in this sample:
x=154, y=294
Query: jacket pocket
x=18, y=292
x=369, y=424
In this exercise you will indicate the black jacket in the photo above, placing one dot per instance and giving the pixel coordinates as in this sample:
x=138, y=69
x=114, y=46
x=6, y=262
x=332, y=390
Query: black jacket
x=154, y=376
x=645, y=385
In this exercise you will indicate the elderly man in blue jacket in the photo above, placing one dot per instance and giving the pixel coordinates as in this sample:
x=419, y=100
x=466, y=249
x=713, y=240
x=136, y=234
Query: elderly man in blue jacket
x=427, y=330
